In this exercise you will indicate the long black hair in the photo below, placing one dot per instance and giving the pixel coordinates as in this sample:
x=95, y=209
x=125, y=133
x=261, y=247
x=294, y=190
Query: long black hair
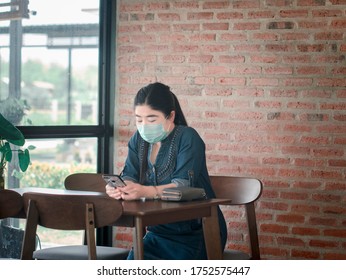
x=159, y=97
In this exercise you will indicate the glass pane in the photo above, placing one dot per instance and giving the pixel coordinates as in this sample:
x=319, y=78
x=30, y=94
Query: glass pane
x=49, y=64
x=52, y=160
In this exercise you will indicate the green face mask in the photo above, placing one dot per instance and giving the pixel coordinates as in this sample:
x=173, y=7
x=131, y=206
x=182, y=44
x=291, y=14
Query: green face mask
x=152, y=133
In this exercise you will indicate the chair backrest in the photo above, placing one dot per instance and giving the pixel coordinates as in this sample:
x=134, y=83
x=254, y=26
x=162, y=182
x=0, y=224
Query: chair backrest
x=68, y=212
x=11, y=204
x=85, y=182
x=242, y=191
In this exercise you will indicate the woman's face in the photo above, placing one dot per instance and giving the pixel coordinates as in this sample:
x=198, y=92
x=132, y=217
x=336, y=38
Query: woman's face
x=146, y=115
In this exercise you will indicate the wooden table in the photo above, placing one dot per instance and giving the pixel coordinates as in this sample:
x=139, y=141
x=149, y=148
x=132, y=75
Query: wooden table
x=139, y=214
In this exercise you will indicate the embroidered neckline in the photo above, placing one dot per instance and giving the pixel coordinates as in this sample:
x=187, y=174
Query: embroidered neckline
x=165, y=167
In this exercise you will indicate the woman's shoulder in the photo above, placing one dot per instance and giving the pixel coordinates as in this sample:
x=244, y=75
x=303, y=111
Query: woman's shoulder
x=188, y=130
x=188, y=133
x=135, y=139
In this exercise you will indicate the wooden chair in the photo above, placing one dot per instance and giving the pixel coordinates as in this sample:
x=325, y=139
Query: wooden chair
x=242, y=191
x=11, y=205
x=70, y=212
x=85, y=182
x=93, y=182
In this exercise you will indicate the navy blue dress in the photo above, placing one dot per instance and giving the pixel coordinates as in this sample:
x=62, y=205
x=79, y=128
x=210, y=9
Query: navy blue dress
x=183, y=150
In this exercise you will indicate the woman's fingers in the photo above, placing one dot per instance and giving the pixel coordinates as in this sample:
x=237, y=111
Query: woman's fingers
x=113, y=192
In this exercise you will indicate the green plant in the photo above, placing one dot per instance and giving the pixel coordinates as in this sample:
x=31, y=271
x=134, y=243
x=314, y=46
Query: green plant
x=10, y=134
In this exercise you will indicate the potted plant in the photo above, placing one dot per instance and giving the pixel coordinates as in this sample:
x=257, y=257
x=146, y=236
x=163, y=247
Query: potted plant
x=10, y=134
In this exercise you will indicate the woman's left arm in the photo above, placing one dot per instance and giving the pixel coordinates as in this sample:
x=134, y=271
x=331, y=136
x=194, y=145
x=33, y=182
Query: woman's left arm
x=190, y=158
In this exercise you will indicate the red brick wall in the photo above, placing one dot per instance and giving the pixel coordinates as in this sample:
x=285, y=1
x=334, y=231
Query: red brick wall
x=263, y=82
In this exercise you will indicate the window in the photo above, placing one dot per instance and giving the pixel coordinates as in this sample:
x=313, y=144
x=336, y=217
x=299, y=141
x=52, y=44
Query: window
x=52, y=88
x=49, y=64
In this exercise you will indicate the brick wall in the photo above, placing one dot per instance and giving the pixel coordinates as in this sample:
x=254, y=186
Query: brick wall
x=263, y=82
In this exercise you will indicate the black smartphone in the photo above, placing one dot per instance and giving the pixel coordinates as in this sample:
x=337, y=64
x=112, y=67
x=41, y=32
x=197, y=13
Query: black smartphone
x=114, y=180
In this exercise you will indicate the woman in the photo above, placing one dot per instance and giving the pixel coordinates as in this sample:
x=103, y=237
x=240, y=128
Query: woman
x=161, y=154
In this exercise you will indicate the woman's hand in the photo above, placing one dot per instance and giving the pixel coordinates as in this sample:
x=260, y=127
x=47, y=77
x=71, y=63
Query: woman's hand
x=113, y=192
x=132, y=191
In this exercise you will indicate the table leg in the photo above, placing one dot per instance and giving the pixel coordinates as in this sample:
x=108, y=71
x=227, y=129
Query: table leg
x=138, y=239
x=211, y=229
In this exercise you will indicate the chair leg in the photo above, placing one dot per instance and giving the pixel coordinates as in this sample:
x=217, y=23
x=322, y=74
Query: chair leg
x=29, y=239
x=90, y=230
x=251, y=220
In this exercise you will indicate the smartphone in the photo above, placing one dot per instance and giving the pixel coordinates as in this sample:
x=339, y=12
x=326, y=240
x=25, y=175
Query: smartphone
x=114, y=180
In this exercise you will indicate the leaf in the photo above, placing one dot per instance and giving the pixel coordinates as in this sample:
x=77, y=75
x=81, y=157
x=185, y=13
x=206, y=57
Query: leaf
x=31, y=147
x=24, y=159
x=17, y=174
x=6, y=150
x=10, y=133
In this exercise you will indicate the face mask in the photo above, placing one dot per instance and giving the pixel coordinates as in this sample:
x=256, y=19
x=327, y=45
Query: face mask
x=152, y=133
